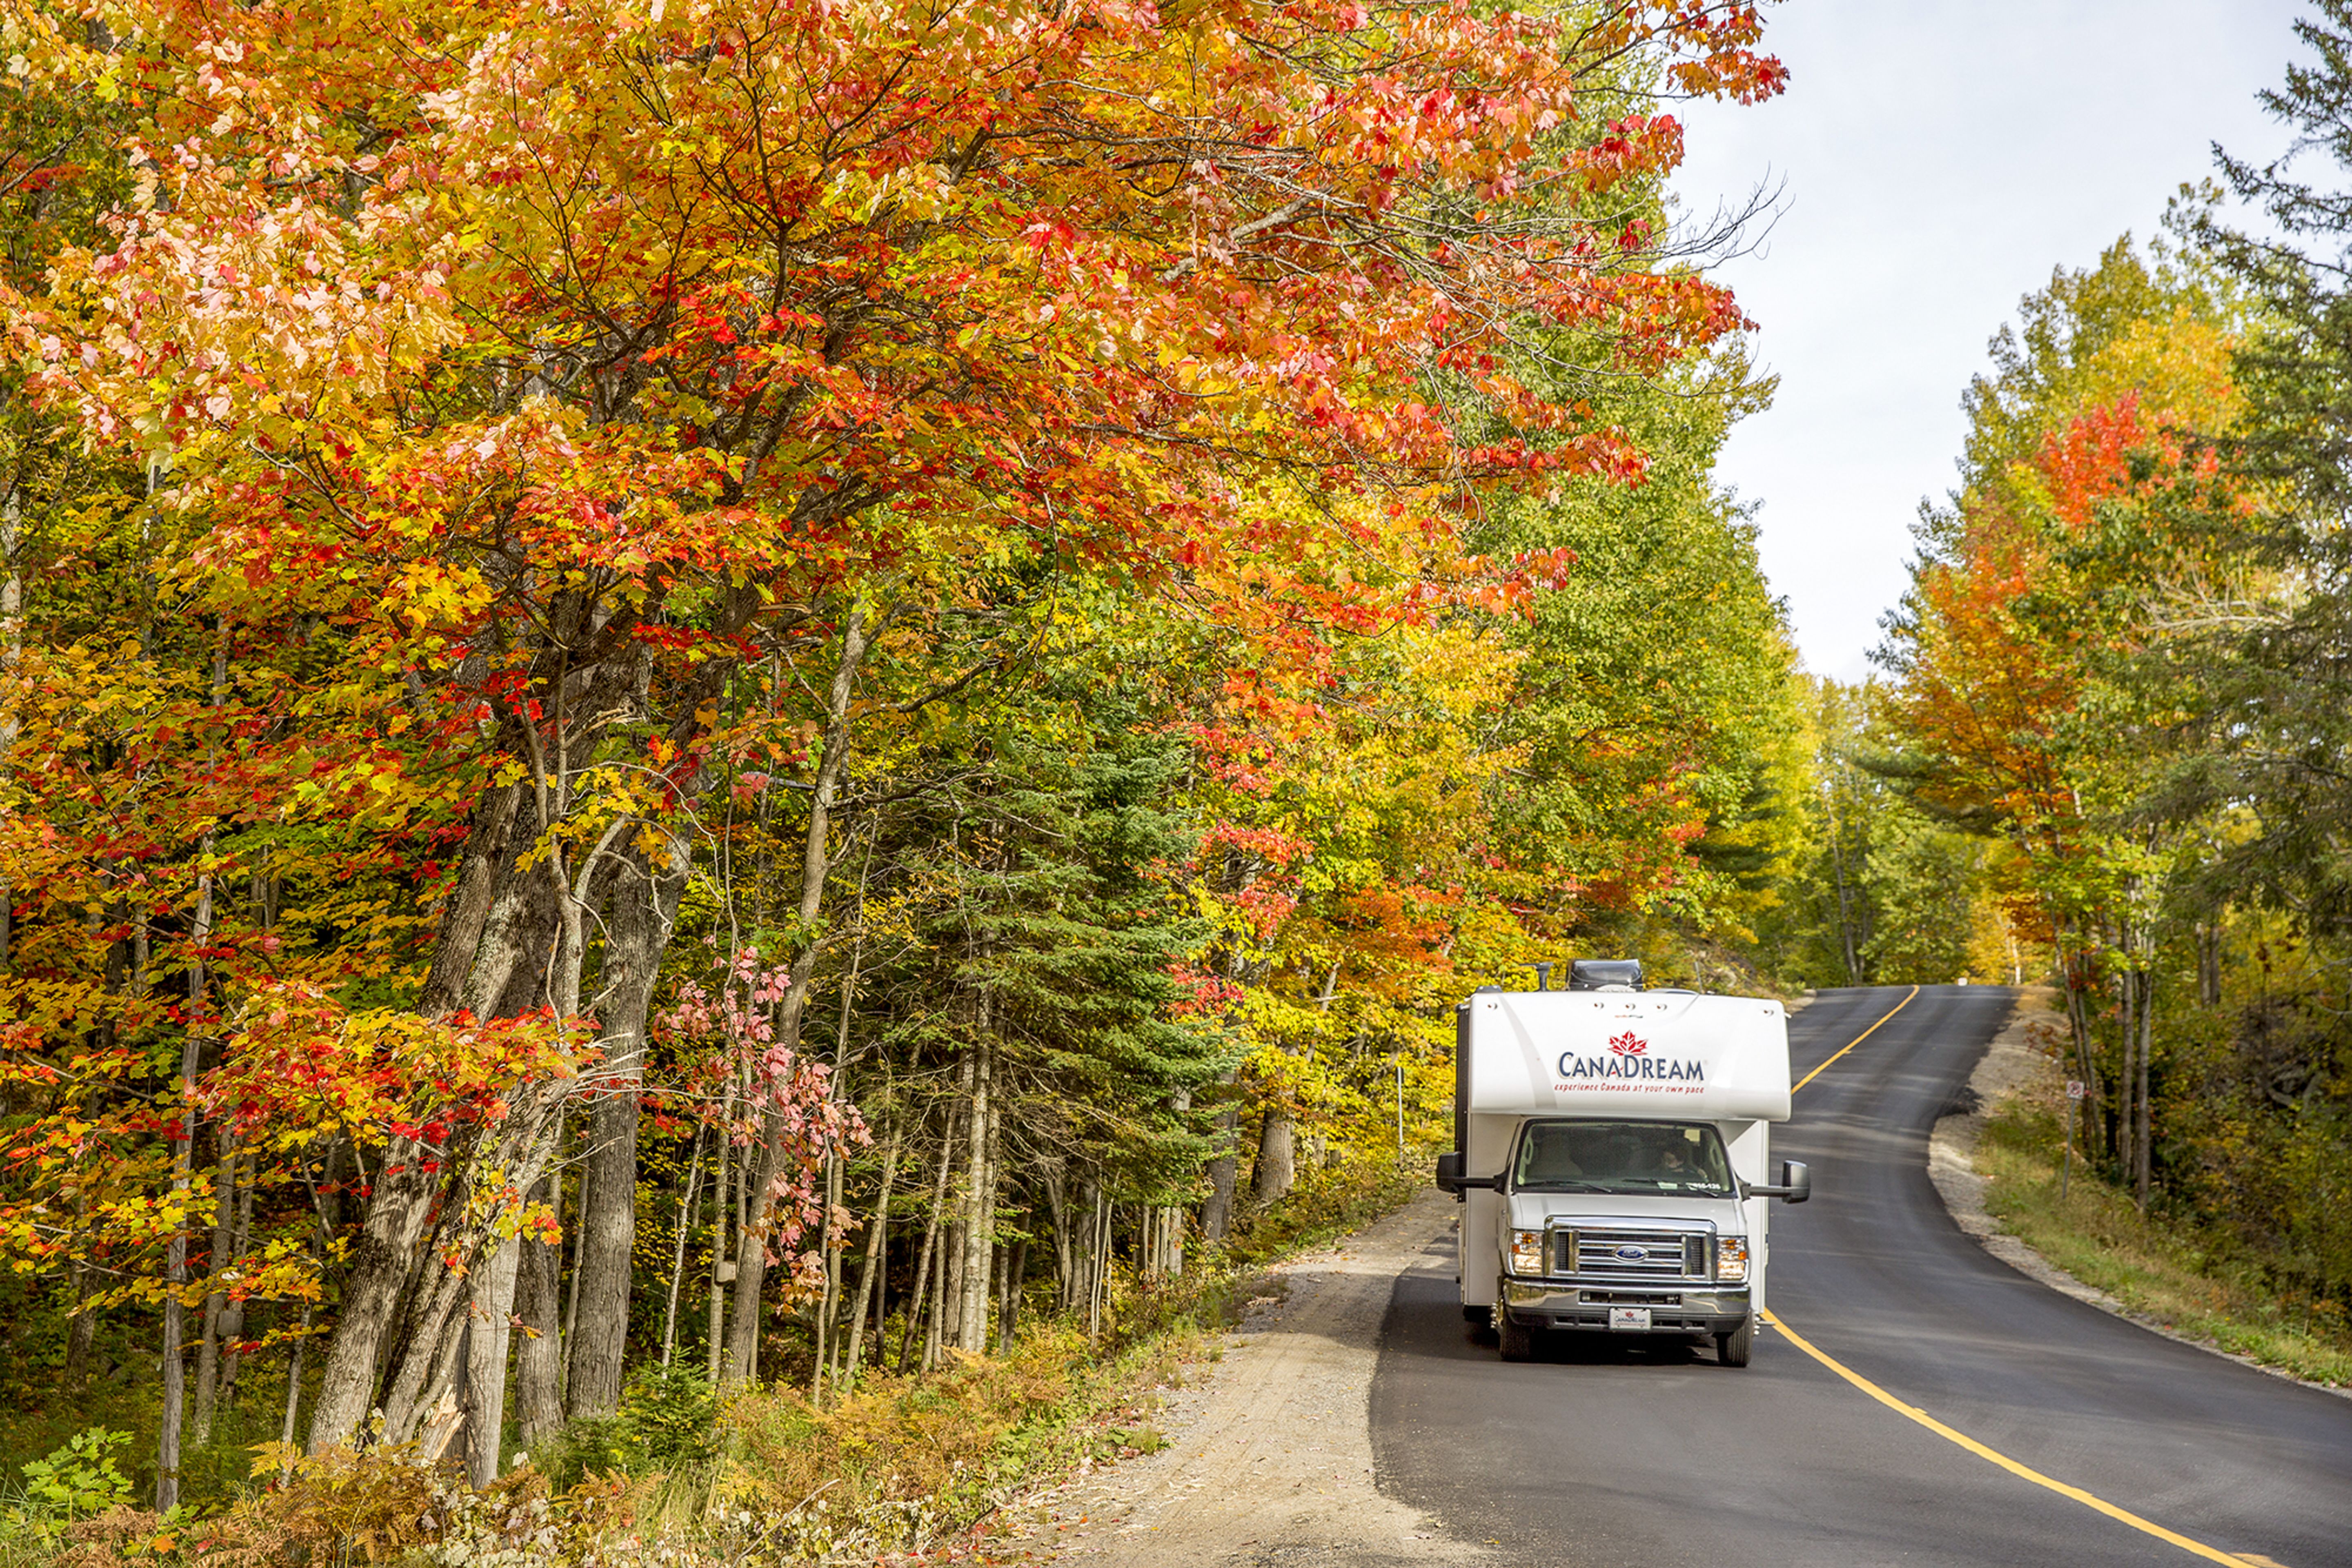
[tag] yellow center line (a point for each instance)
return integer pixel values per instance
(1857, 1039)
(2196, 1548)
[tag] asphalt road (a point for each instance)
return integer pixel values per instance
(1608, 1452)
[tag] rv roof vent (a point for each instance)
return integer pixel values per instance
(1605, 974)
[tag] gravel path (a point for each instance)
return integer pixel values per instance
(1269, 1459)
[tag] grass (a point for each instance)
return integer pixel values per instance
(2159, 1267)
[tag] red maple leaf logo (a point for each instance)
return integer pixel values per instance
(1629, 1044)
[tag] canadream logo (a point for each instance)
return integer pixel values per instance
(1629, 1057)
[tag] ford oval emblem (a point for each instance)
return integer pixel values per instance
(1632, 1253)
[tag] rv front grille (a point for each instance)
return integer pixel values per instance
(1637, 1253)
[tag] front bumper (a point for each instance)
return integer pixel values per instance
(1584, 1304)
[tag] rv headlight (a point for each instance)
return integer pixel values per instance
(1527, 1252)
(1731, 1259)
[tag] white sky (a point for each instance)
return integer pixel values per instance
(1938, 158)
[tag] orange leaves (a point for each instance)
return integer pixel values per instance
(2041, 581)
(299, 1064)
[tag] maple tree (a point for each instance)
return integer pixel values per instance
(569, 470)
(2040, 603)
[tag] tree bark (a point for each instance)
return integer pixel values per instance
(878, 1256)
(1275, 1170)
(208, 1344)
(722, 1267)
(12, 653)
(378, 1270)
(486, 1358)
(81, 1335)
(687, 1202)
(1224, 1170)
(1008, 1298)
(645, 894)
(2145, 1123)
(979, 1207)
(1057, 1214)
(468, 908)
(175, 1263)
(539, 1359)
(175, 1273)
(232, 1316)
(918, 1313)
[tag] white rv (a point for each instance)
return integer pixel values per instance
(1611, 1148)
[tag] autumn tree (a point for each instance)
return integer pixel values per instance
(560, 429)
(2033, 698)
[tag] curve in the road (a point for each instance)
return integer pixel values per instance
(1609, 1452)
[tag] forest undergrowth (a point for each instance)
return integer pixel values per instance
(903, 1468)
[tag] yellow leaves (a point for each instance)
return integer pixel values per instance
(436, 592)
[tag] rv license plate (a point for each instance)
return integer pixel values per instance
(1629, 1318)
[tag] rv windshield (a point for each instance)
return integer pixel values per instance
(1622, 1157)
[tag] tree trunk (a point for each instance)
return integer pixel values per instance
(288, 1427)
(918, 1313)
(644, 910)
(176, 1258)
(232, 1317)
(1057, 1214)
(979, 1207)
(81, 1334)
(12, 654)
(2126, 1076)
(539, 1359)
(1217, 1209)
(378, 1270)
(877, 1257)
(208, 1346)
(722, 1266)
(816, 860)
(1272, 1174)
(2209, 961)
(687, 1203)
(1845, 918)
(1013, 1273)
(486, 1358)
(2145, 1123)
(469, 905)
(1099, 1262)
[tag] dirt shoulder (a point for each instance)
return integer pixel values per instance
(2015, 1060)
(1269, 1457)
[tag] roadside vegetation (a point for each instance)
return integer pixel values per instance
(920, 1466)
(2165, 1264)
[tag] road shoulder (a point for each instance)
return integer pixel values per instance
(1269, 1459)
(2015, 1062)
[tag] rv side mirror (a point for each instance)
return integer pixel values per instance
(1797, 1179)
(1796, 1184)
(1450, 1176)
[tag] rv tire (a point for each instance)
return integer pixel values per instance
(1733, 1349)
(1519, 1339)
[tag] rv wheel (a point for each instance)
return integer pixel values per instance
(1732, 1349)
(1519, 1341)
